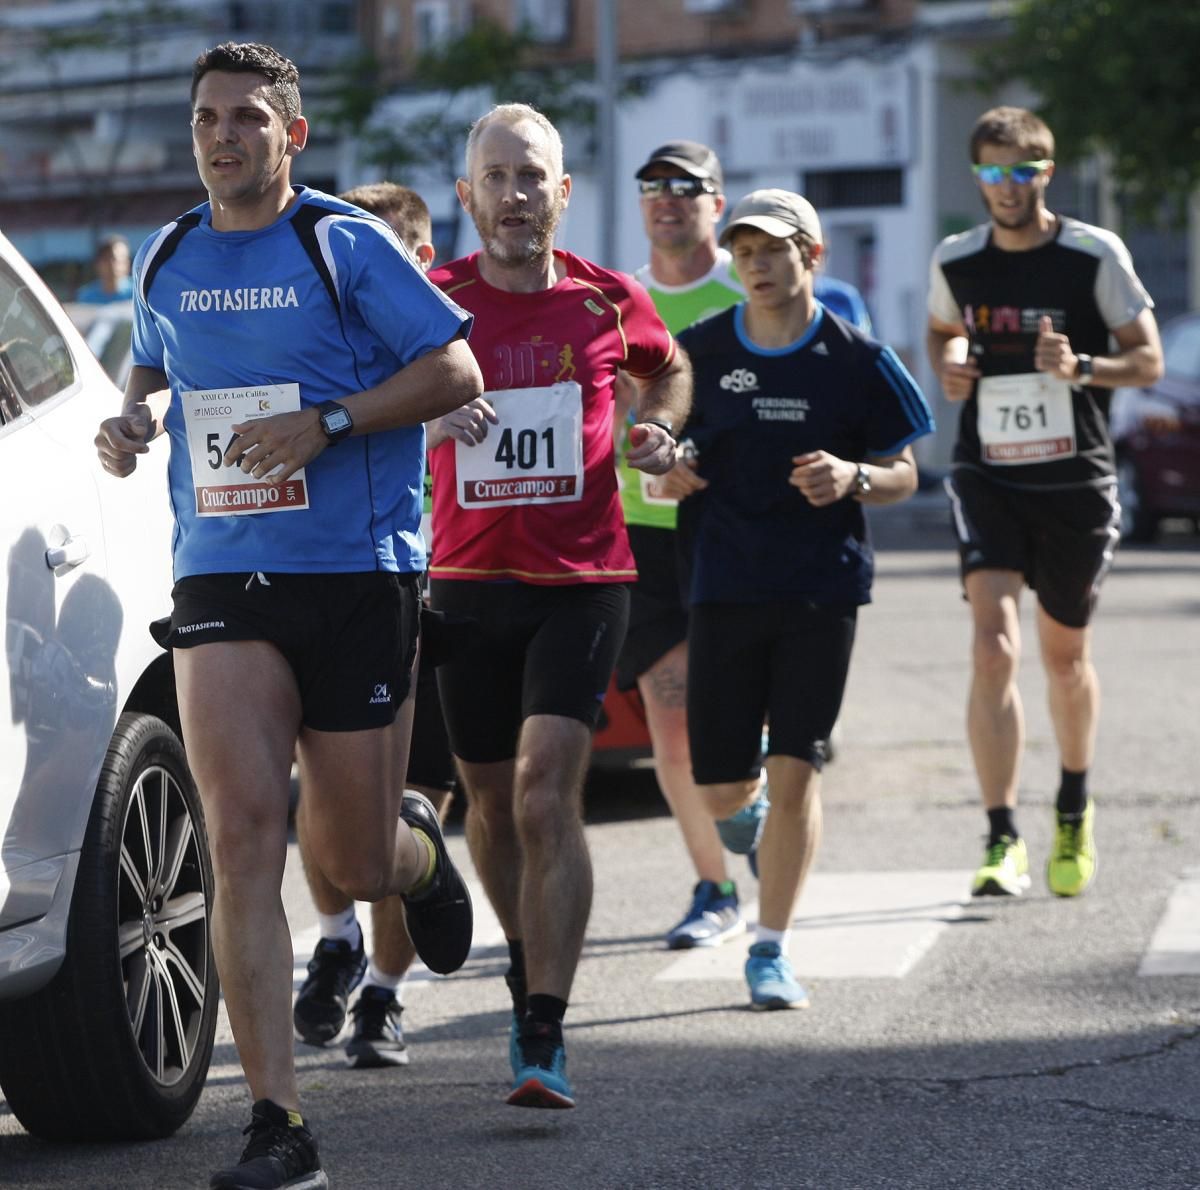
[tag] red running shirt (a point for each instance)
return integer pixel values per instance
(537, 500)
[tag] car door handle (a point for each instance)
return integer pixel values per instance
(72, 551)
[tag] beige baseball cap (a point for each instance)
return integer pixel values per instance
(779, 213)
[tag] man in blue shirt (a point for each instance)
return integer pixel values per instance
(298, 350)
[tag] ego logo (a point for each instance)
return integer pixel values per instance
(740, 380)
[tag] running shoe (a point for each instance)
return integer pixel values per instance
(334, 972)
(541, 1078)
(1073, 862)
(440, 919)
(772, 983)
(712, 918)
(1005, 870)
(377, 1039)
(281, 1152)
(740, 832)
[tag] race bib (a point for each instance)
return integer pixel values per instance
(1026, 418)
(534, 455)
(210, 415)
(651, 493)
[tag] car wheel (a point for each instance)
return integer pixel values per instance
(1138, 523)
(117, 1046)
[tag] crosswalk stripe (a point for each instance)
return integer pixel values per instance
(851, 925)
(488, 935)
(1175, 947)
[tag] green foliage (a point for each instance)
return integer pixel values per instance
(1117, 76)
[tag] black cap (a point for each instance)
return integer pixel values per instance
(695, 159)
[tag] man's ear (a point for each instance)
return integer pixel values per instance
(818, 250)
(463, 189)
(297, 135)
(424, 252)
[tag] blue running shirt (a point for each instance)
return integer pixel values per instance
(236, 309)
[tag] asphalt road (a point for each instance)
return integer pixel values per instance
(1036, 1042)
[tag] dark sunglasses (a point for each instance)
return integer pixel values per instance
(1023, 172)
(676, 187)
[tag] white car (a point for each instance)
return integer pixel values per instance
(108, 989)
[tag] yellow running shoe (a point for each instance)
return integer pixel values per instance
(1072, 864)
(1005, 870)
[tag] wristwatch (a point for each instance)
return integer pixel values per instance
(335, 420)
(1084, 367)
(662, 425)
(862, 481)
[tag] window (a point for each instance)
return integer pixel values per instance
(854, 188)
(547, 21)
(431, 24)
(35, 363)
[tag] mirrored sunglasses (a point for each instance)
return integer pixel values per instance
(1023, 172)
(676, 187)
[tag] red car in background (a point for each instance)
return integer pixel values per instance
(1156, 431)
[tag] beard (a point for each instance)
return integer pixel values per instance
(1014, 220)
(537, 244)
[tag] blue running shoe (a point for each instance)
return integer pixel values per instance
(740, 832)
(712, 918)
(772, 984)
(541, 1079)
(514, 1045)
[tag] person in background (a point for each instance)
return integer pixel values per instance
(340, 960)
(112, 282)
(1034, 318)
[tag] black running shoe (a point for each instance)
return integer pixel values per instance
(280, 1153)
(439, 919)
(377, 1040)
(334, 972)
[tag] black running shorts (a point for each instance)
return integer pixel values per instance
(657, 604)
(534, 651)
(785, 662)
(429, 761)
(1061, 541)
(350, 639)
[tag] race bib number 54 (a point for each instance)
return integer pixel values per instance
(534, 455)
(210, 415)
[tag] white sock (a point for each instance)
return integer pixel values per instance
(783, 937)
(341, 926)
(381, 979)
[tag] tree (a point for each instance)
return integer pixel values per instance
(1117, 76)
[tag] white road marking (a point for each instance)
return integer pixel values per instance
(851, 925)
(487, 935)
(1175, 947)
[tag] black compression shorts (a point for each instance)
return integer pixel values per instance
(657, 604)
(534, 651)
(350, 639)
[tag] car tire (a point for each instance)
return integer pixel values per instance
(1138, 523)
(117, 1046)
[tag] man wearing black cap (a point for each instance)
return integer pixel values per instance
(688, 277)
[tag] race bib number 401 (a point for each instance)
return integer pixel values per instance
(1026, 418)
(534, 455)
(210, 415)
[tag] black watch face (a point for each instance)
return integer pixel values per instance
(336, 421)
